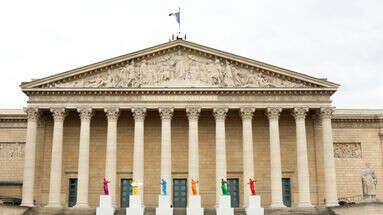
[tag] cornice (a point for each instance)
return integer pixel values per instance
(180, 91)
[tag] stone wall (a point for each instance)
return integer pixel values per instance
(352, 159)
(349, 165)
(12, 143)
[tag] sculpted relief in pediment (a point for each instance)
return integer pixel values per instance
(178, 69)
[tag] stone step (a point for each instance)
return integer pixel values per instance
(176, 211)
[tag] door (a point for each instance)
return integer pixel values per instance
(126, 191)
(233, 189)
(72, 193)
(286, 192)
(179, 193)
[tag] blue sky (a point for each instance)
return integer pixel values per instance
(338, 40)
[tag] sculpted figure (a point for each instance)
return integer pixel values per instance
(194, 187)
(135, 185)
(106, 190)
(143, 72)
(228, 75)
(224, 187)
(128, 74)
(252, 186)
(369, 182)
(180, 65)
(163, 186)
(214, 72)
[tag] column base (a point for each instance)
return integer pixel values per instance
(54, 205)
(277, 205)
(135, 207)
(164, 206)
(81, 205)
(105, 206)
(194, 207)
(224, 206)
(27, 204)
(332, 204)
(305, 205)
(255, 205)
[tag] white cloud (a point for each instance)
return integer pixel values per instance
(340, 40)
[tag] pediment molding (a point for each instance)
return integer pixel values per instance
(178, 64)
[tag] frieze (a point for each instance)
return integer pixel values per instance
(355, 124)
(12, 151)
(347, 150)
(180, 69)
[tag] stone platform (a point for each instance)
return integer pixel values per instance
(176, 211)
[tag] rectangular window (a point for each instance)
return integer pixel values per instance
(126, 191)
(179, 193)
(72, 196)
(233, 189)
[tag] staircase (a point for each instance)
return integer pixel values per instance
(177, 211)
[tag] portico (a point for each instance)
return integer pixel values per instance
(224, 125)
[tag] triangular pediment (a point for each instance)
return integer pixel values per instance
(178, 64)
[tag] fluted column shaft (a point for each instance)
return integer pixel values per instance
(54, 199)
(166, 147)
(329, 162)
(112, 115)
(247, 151)
(83, 157)
(302, 160)
(138, 148)
(30, 156)
(275, 157)
(193, 153)
(220, 148)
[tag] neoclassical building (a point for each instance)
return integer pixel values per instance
(180, 111)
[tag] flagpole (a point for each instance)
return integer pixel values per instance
(179, 23)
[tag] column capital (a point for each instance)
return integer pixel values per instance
(32, 113)
(273, 112)
(220, 113)
(326, 112)
(299, 112)
(59, 113)
(166, 112)
(193, 112)
(112, 113)
(139, 113)
(86, 113)
(247, 112)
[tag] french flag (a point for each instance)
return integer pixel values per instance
(177, 16)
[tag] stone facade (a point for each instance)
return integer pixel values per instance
(183, 111)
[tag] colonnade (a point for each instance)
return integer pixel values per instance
(166, 114)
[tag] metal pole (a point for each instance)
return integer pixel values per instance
(179, 23)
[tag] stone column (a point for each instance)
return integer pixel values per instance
(138, 148)
(112, 115)
(380, 118)
(329, 162)
(56, 157)
(83, 157)
(220, 148)
(247, 151)
(193, 155)
(166, 147)
(29, 159)
(302, 162)
(275, 157)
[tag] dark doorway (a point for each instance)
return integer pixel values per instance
(286, 192)
(72, 193)
(233, 189)
(126, 191)
(179, 193)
